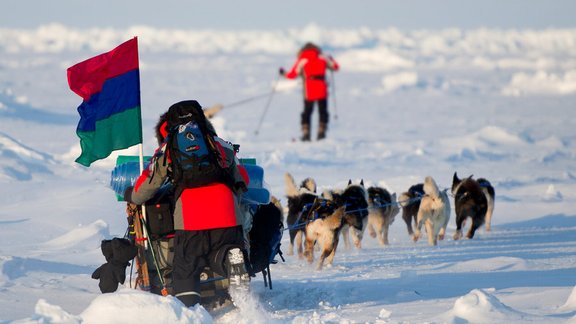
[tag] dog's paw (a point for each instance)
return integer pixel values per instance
(440, 237)
(416, 237)
(457, 236)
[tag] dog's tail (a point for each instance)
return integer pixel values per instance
(405, 199)
(334, 221)
(291, 189)
(394, 209)
(327, 194)
(309, 184)
(277, 203)
(430, 187)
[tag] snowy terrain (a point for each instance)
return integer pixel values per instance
(493, 103)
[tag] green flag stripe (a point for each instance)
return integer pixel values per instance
(119, 131)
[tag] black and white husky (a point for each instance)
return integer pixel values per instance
(410, 203)
(300, 199)
(434, 213)
(383, 208)
(470, 202)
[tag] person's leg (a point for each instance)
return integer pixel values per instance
(188, 265)
(229, 256)
(324, 118)
(305, 119)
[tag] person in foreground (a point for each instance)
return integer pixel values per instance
(204, 170)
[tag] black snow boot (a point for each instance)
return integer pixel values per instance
(322, 128)
(305, 133)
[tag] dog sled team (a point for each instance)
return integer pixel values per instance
(316, 220)
(198, 167)
(226, 251)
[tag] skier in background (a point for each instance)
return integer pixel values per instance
(311, 65)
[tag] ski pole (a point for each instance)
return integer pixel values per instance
(243, 101)
(164, 290)
(267, 104)
(211, 111)
(333, 84)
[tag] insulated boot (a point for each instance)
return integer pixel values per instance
(189, 299)
(305, 133)
(236, 267)
(322, 130)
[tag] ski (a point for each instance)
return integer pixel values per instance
(134, 213)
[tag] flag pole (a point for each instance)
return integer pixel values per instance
(141, 161)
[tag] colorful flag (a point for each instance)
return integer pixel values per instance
(110, 117)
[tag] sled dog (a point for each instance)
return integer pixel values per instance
(355, 200)
(469, 201)
(382, 209)
(323, 225)
(434, 213)
(300, 199)
(410, 202)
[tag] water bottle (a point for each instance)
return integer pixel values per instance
(123, 176)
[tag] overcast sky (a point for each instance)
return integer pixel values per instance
(259, 14)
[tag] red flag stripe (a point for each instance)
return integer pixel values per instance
(86, 78)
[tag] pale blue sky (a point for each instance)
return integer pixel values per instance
(259, 14)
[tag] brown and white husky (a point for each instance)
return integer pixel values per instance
(323, 228)
(469, 202)
(355, 200)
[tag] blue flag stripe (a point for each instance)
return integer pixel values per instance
(118, 94)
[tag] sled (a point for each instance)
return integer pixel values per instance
(154, 259)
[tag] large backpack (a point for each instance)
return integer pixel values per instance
(196, 153)
(265, 237)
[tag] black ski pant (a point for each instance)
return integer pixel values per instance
(309, 108)
(196, 250)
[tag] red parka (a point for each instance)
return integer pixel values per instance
(311, 65)
(208, 207)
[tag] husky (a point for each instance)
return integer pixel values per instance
(382, 211)
(355, 200)
(490, 197)
(469, 201)
(434, 213)
(299, 200)
(323, 226)
(410, 202)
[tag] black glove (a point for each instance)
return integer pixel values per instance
(128, 194)
(117, 252)
(281, 71)
(109, 280)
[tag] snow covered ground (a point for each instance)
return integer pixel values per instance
(493, 103)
